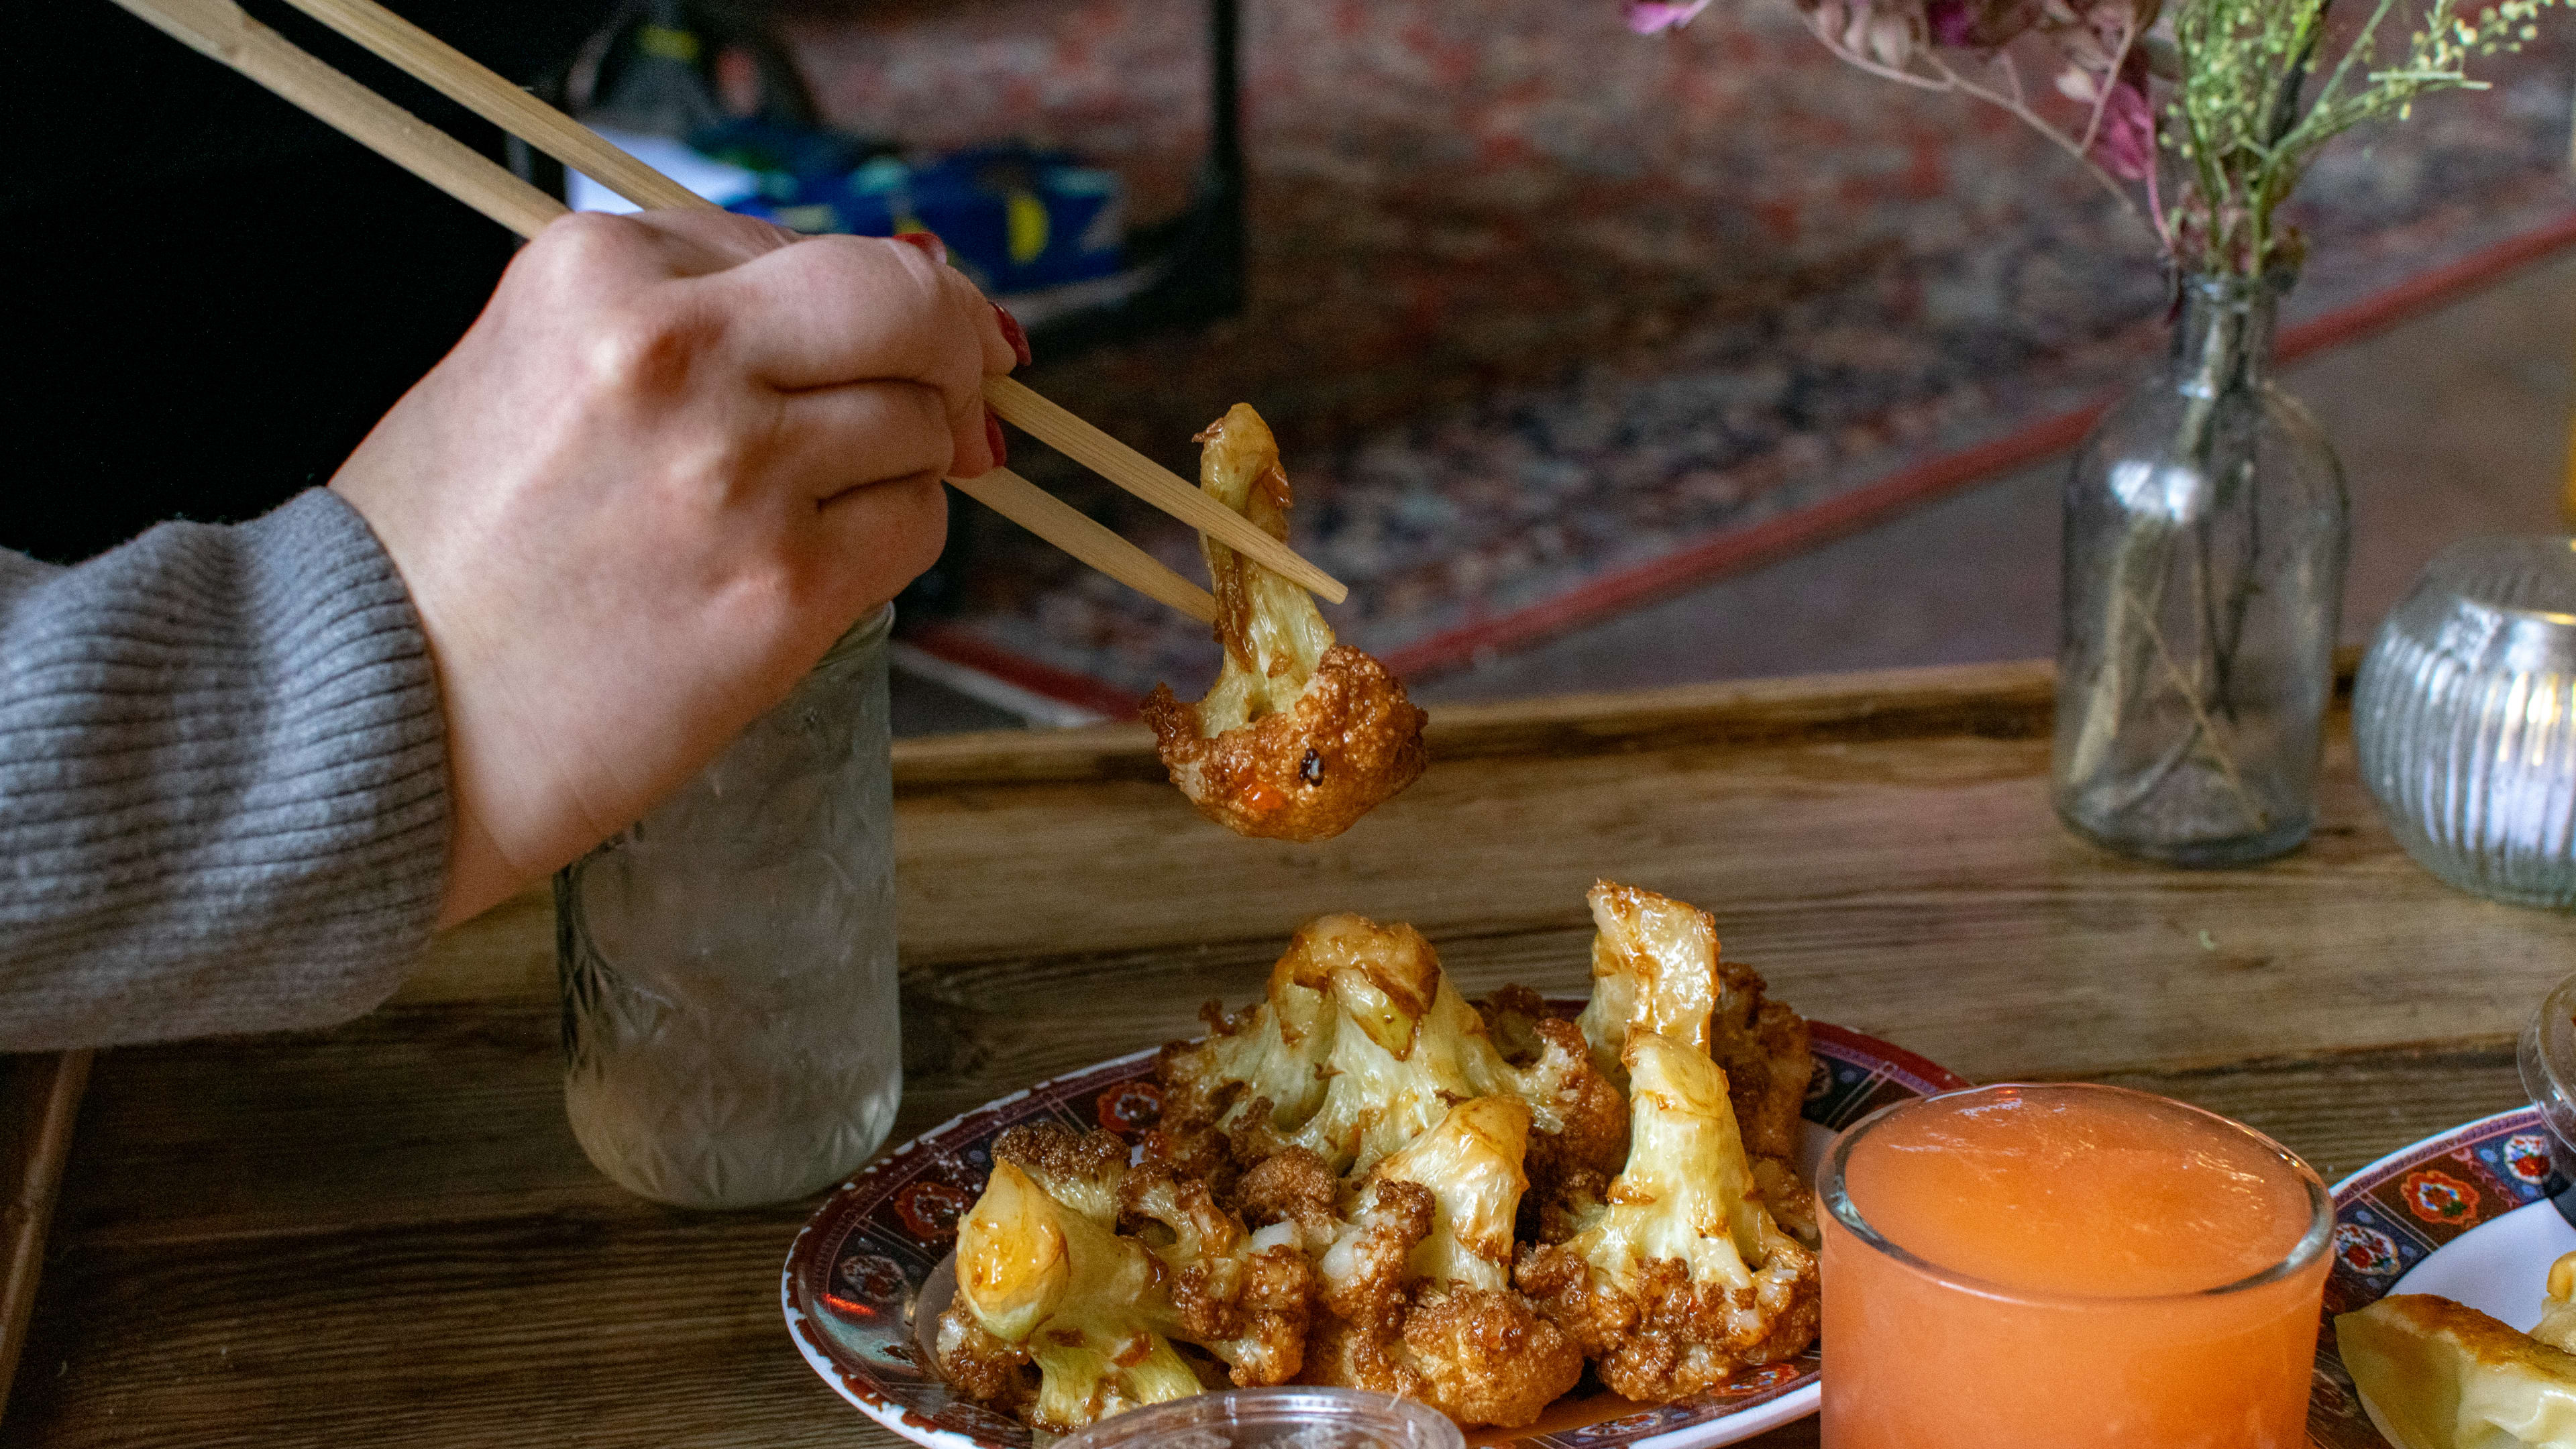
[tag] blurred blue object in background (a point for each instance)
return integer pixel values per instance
(1015, 218)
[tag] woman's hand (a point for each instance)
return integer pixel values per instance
(677, 456)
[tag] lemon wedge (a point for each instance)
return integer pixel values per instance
(2436, 1375)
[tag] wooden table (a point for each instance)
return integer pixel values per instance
(384, 1235)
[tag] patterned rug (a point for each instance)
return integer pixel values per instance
(1551, 318)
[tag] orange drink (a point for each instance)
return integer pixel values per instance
(2067, 1265)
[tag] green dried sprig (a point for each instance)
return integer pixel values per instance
(2243, 133)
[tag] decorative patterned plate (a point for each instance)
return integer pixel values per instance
(2463, 1213)
(873, 1269)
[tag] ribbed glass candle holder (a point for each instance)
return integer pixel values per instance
(2465, 718)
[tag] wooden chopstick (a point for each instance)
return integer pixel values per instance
(1147, 479)
(488, 94)
(220, 29)
(1024, 502)
(469, 83)
(42, 1098)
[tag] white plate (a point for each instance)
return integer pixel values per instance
(2463, 1214)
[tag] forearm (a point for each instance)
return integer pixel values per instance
(223, 786)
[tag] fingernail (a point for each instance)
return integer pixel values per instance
(1014, 334)
(928, 241)
(993, 439)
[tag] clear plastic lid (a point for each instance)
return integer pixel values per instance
(1287, 1418)
(2548, 1062)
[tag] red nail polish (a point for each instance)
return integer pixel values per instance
(1014, 334)
(993, 439)
(928, 241)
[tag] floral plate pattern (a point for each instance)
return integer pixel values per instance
(853, 1289)
(2397, 1212)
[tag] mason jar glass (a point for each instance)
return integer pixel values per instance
(728, 962)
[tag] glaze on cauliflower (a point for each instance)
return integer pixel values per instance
(1654, 968)
(1088, 1307)
(1300, 736)
(1417, 1284)
(1680, 1278)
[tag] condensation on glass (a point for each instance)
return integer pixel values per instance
(728, 963)
(2206, 528)
(2465, 718)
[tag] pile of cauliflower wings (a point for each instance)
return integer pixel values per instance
(1367, 1180)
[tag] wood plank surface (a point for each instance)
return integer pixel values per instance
(384, 1233)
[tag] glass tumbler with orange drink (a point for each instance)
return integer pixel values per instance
(2061, 1265)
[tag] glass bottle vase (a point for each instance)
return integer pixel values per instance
(2206, 530)
(731, 1035)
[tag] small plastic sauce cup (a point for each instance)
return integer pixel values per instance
(1285, 1418)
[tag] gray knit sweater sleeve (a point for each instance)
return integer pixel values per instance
(223, 783)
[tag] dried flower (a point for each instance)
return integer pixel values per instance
(1646, 17)
(2124, 142)
(1979, 24)
(2237, 117)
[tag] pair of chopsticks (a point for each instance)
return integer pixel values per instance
(218, 28)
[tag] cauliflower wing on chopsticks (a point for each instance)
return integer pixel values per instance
(1300, 736)
(1680, 1278)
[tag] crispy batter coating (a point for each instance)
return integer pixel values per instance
(1479, 1355)
(1295, 1187)
(1763, 1047)
(1300, 736)
(981, 1367)
(1592, 1117)
(1248, 1304)
(1080, 1170)
(1590, 1141)
(1366, 1267)
(1664, 1337)
(1680, 1279)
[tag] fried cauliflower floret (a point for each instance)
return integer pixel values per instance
(1360, 1046)
(1245, 1297)
(1300, 736)
(1763, 1047)
(1654, 968)
(1417, 1283)
(1088, 1307)
(1257, 1071)
(1680, 1279)
(1583, 1120)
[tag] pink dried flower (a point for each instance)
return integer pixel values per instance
(1979, 24)
(2125, 143)
(1647, 17)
